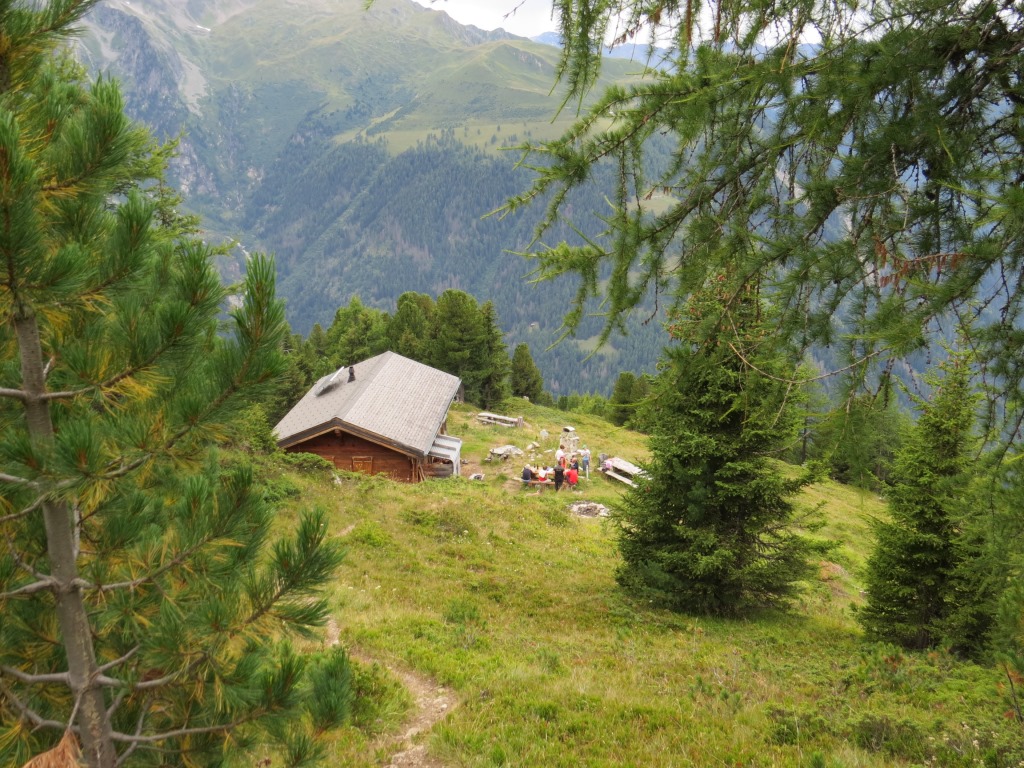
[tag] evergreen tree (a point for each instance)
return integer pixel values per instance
(859, 439)
(621, 404)
(709, 529)
(641, 418)
(313, 360)
(409, 328)
(357, 333)
(455, 336)
(140, 611)
(525, 379)
(292, 384)
(910, 571)
(494, 357)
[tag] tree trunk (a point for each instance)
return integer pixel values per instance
(76, 633)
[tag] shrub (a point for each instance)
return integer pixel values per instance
(307, 462)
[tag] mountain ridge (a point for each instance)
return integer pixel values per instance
(321, 132)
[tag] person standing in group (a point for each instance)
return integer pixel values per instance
(585, 455)
(560, 457)
(559, 476)
(572, 476)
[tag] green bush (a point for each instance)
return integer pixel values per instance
(381, 701)
(372, 535)
(307, 462)
(278, 489)
(254, 432)
(876, 732)
(790, 727)
(441, 523)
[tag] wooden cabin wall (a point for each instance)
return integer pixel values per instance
(348, 452)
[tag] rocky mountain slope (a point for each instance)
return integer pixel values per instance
(364, 149)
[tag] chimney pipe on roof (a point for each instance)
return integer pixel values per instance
(351, 373)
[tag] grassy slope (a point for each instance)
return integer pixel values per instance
(511, 601)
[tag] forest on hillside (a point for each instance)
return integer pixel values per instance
(351, 220)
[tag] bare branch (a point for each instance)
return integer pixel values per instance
(147, 685)
(139, 739)
(15, 480)
(118, 661)
(30, 679)
(42, 585)
(22, 564)
(175, 561)
(28, 713)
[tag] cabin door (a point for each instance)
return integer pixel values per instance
(362, 464)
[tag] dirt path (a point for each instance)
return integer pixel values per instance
(431, 703)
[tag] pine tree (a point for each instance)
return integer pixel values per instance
(313, 359)
(140, 610)
(621, 404)
(525, 377)
(986, 586)
(909, 574)
(466, 340)
(640, 419)
(409, 328)
(494, 357)
(357, 333)
(859, 439)
(710, 528)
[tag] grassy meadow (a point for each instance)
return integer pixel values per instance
(510, 602)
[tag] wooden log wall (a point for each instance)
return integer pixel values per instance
(354, 454)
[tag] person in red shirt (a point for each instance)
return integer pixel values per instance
(572, 477)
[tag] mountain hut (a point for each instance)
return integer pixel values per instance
(385, 415)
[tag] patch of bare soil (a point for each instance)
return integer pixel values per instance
(834, 575)
(432, 703)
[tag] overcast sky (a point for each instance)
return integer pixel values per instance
(528, 18)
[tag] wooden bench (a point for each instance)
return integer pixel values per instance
(539, 484)
(501, 421)
(621, 478)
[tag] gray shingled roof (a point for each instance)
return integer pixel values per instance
(393, 398)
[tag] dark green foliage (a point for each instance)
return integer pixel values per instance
(308, 462)
(628, 404)
(409, 327)
(988, 601)
(331, 692)
(456, 341)
(710, 529)
(357, 333)
(494, 387)
(139, 601)
(909, 574)
(883, 732)
(525, 379)
(859, 438)
(455, 334)
(1009, 644)
(621, 404)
